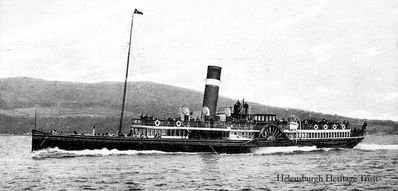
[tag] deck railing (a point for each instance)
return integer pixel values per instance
(202, 124)
(237, 124)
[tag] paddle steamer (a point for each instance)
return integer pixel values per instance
(217, 130)
(222, 130)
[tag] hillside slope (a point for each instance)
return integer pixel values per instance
(78, 106)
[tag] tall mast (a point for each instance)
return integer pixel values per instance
(35, 118)
(125, 81)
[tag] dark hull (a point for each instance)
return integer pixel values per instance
(41, 140)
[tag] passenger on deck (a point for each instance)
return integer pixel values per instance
(284, 123)
(246, 107)
(346, 123)
(306, 124)
(130, 133)
(237, 108)
(310, 121)
(364, 125)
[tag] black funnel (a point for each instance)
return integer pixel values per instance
(210, 97)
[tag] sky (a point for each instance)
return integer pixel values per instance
(337, 57)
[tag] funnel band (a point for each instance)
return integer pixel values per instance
(213, 82)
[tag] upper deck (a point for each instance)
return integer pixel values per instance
(243, 121)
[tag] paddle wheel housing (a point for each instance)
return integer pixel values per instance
(271, 133)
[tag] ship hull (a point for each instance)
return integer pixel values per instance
(42, 140)
(79, 142)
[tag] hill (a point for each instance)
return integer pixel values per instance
(68, 106)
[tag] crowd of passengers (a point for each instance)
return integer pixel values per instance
(311, 122)
(308, 123)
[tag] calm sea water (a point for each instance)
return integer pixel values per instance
(372, 165)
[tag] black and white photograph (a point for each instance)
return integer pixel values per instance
(199, 95)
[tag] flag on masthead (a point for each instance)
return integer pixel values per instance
(138, 12)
